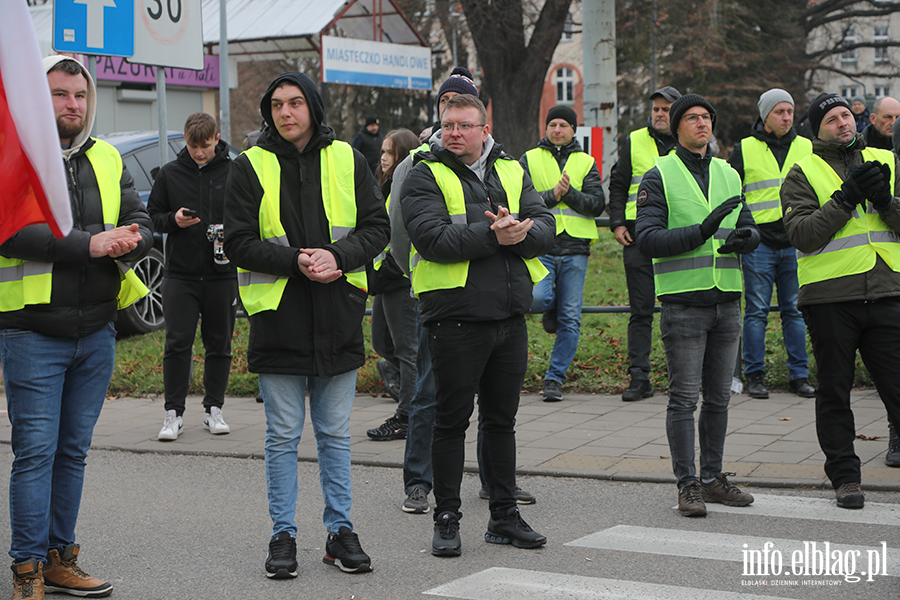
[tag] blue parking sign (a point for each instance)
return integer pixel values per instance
(104, 27)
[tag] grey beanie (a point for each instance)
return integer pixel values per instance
(769, 99)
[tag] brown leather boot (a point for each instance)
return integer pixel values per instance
(28, 582)
(63, 575)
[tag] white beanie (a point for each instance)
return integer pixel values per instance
(768, 100)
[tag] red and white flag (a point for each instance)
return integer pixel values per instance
(32, 177)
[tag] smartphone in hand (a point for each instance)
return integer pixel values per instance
(193, 214)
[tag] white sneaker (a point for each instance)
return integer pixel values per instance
(172, 426)
(214, 422)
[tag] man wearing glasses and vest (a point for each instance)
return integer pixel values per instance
(842, 214)
(569, 182)
(58, 301)
(636, 157)
(303, 217)
(762, 160)
(692, 222)
(476, 226)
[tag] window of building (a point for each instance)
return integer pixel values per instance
(849, 56)
(882, 34)
(882, 91)
(568, 29)
(565, 85)
(848, 92)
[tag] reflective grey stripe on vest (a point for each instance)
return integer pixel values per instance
(762, 185)
(416, 257)
(339, 233)
(458, 219)
(26, 269)
(884, 237)
(381, 256)
(632, 198)
(246, 278)
(568, 212)
(758, 206)
(693, 263)
(854, 241)
(636, 180)
(722, 233)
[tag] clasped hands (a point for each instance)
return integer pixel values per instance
(115, 242)
(509, 231)
(868, 181)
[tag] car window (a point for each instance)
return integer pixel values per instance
(175, 145)
(141, 181)
(149, 159)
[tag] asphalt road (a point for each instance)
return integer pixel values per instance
(168, 526)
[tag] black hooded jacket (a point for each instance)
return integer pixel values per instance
(189, 254)
(317, 328)
(370, 145)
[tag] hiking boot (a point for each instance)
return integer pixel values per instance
(63, 575)
(446, 540)
(802, 388)
(214, 422)
(892, 458)
(390, 376)
(690, 500)
(638, 390)
(512, 529)
(522, 496)
(724, 492)
(416, 501)
(281, 563)
(28, 582)
(552, 391)
(343, 551)
(392, 429)
(850, 495)
(756, 385)
(172, 426)
(548, 321)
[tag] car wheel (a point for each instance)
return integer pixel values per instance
(146, 314)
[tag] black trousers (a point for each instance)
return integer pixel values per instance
(489, 358)
(183, 304)
(837, 331)
(641, 298)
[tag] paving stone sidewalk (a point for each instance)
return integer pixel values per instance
(770, 442)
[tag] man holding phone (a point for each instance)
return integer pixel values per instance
(188, 201)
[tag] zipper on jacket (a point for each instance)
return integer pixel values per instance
(77, 220)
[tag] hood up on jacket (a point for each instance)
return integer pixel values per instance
(91, 111)
(310, 92)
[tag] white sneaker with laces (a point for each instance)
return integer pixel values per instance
(172, 426)
(214, 422)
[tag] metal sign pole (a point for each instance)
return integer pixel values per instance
(161, 112)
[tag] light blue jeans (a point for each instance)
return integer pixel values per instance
(330, 403)
(55, 388)
(563, 290)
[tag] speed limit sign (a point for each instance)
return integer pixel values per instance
(168, 33)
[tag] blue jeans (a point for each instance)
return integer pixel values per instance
(417, 457)
(562, 290)
(762, 268)
(55, 388)
(330, 403)
(701, 345)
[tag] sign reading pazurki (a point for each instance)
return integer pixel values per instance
(363, 62)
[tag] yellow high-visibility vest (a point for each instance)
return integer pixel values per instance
(762, 178)
(545, 174)
(644, 153)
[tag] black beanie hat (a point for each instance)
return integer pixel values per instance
(682, 104)
(565, 113)
(823, 103)
(371, 120)
(460, 81)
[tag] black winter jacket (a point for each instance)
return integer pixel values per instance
(83, 297)
(656, 240)
(370, 145)
(317, 328)
(589, 201)
(498, 285)
(874, 139)
(182, 183)
(771, 234)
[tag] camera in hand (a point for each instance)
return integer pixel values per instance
(215, 233)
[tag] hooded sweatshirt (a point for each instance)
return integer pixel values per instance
(84, 289)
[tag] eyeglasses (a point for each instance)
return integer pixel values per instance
(464, 128)
(692, 119)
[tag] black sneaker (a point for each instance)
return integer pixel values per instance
(392, 429)
(548, 321)
(446, 540)
(638, 390)
(522, 496)
(343, 551)
(416, 501)
(282, 560)
(802, 388)
(690, 500)
(850, 495)
(552, 391)
(756, 385)
(512, 529)
(724, 492)
(892, 458)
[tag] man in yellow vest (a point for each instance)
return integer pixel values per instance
(569, 182)
(692, 222)
(842, 213)
(636, 157)
(58, 301)
(762, 160)
(476, 226)
(303, 217)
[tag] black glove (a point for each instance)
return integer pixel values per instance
(862, 182)
(883, 198)
(735, 241)
(711, 223)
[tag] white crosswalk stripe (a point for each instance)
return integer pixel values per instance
(820, 509)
